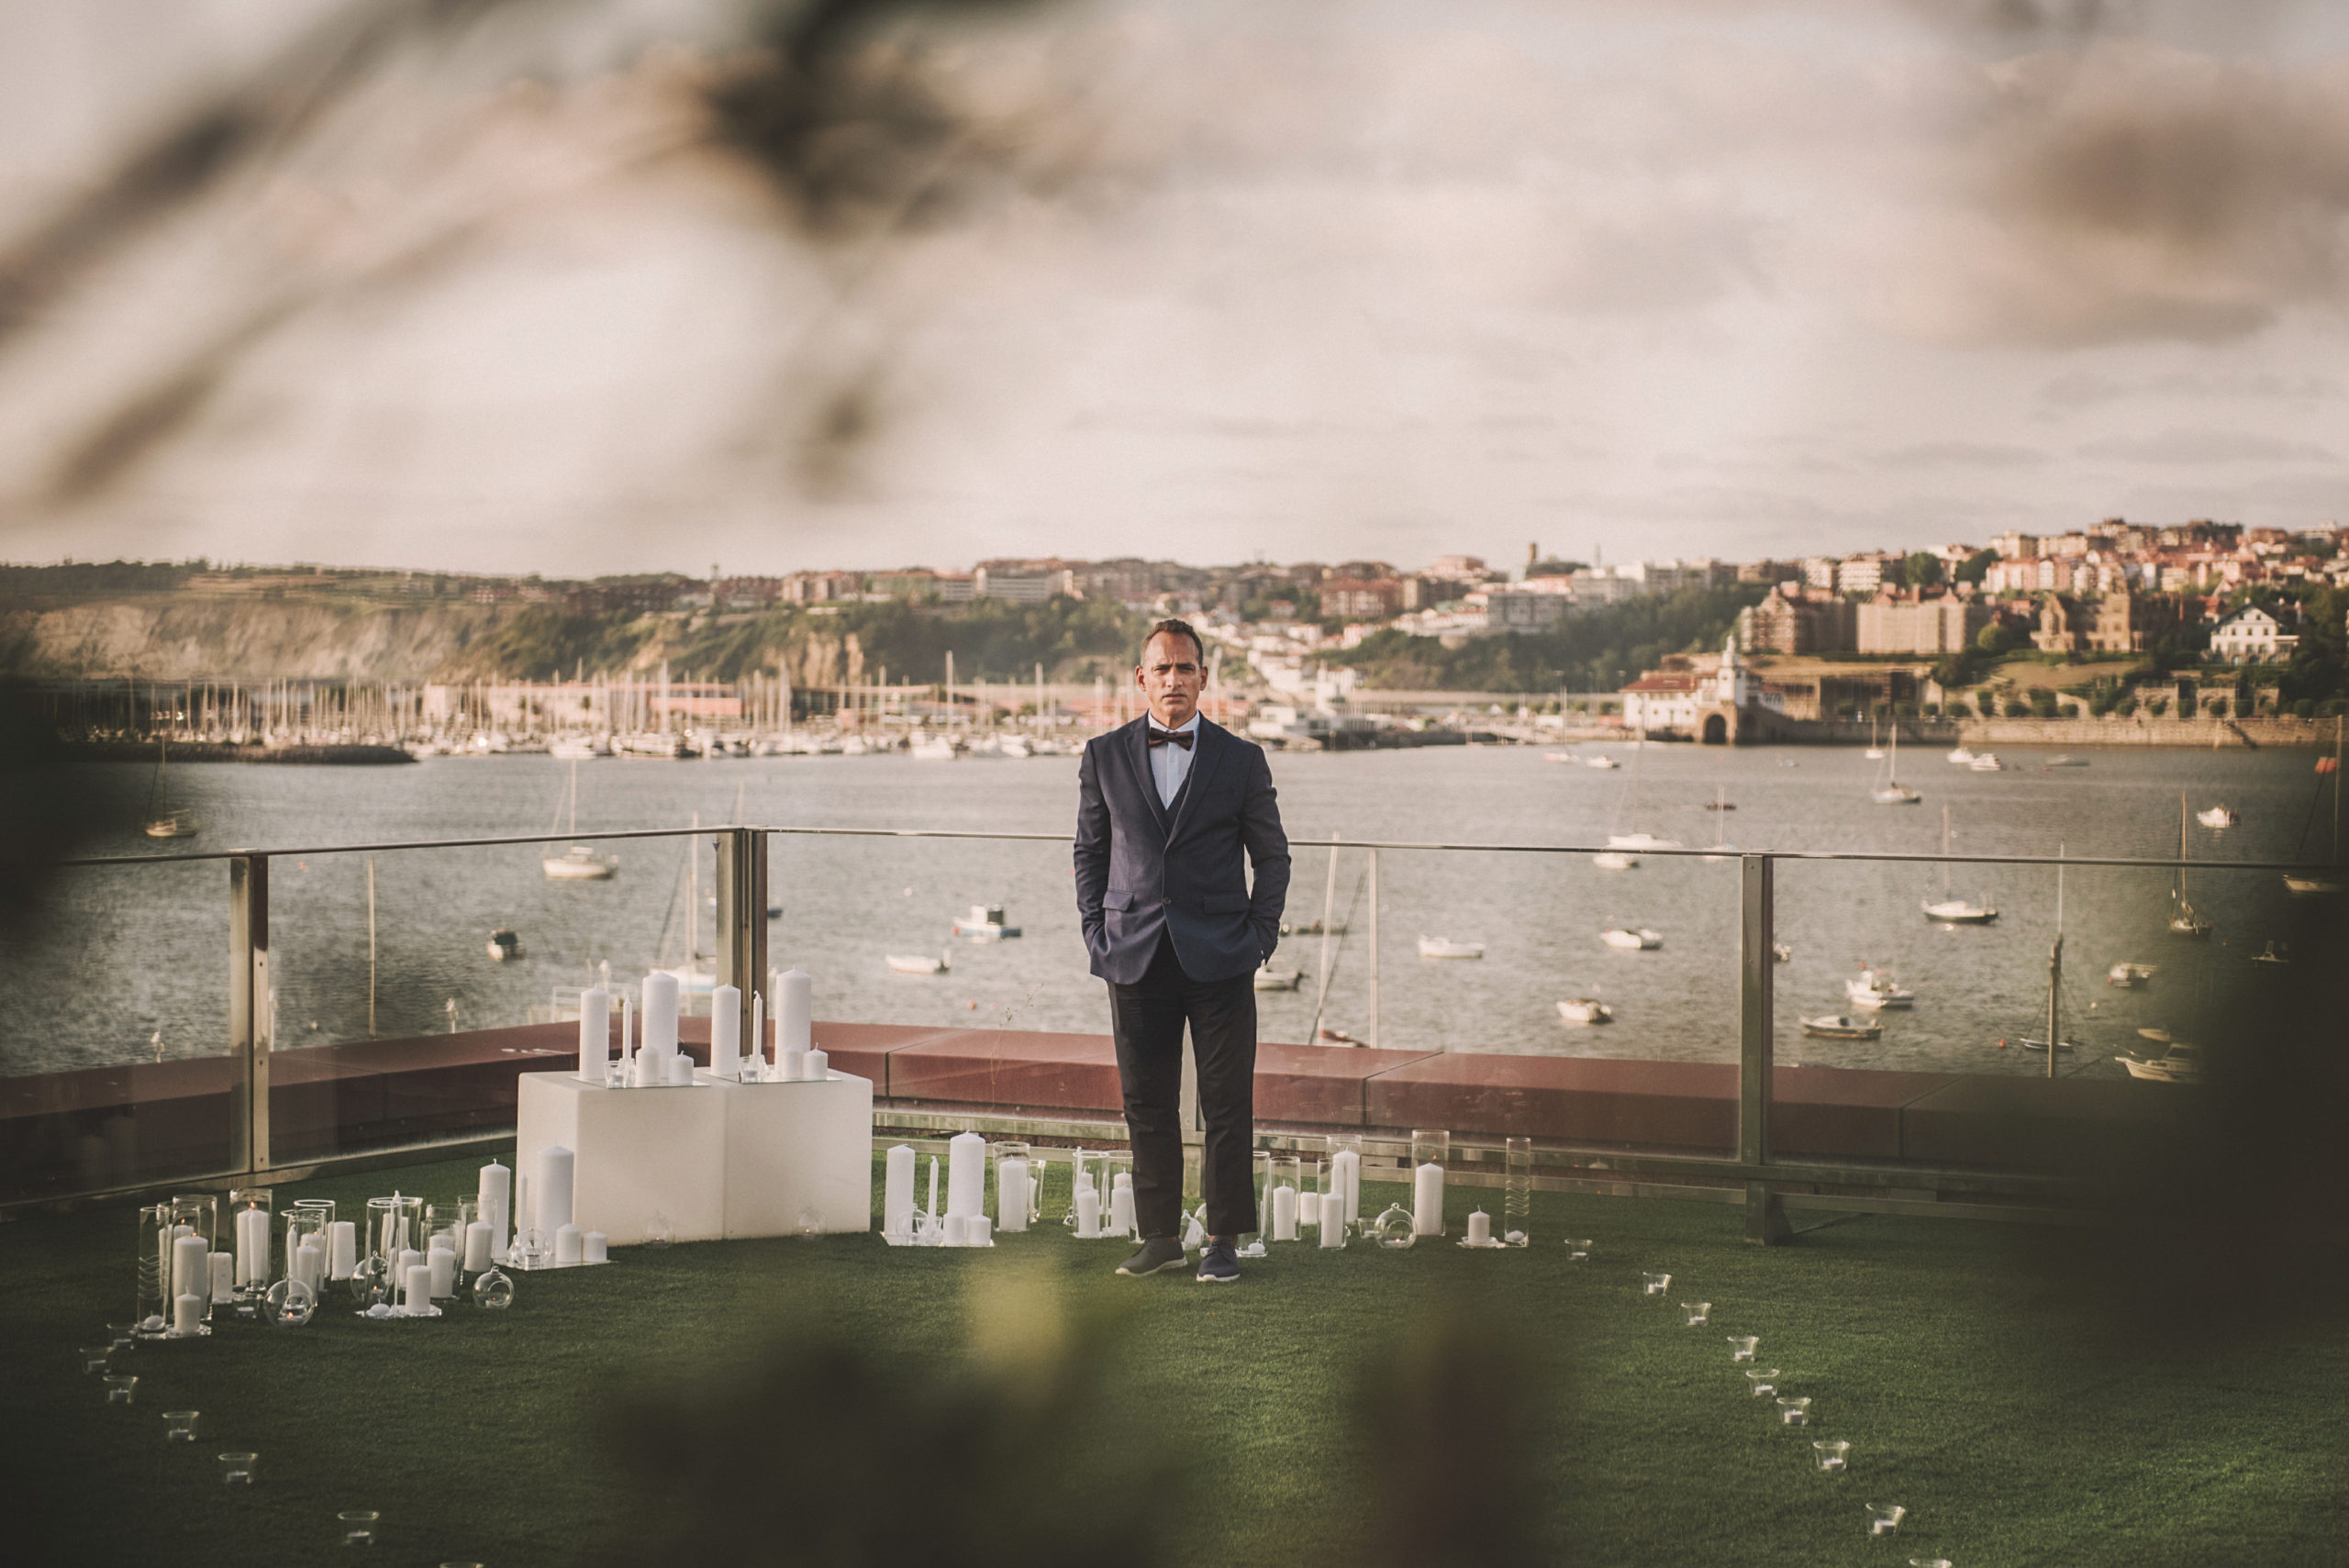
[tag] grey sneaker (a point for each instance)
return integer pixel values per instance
(1219, 1264)
(1158, 1254)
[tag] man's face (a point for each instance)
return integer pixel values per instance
(1170, 677)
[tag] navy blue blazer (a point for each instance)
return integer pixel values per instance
(1142, 868)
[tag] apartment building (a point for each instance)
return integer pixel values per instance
(1796, 619)
(1923, 623)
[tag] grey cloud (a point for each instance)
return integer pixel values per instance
(1961, 454)
(2132, 191)
(2087, 389)
(2191, 446)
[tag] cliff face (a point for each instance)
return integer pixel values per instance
(183, 637)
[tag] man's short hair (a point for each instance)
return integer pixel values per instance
(1177, 628)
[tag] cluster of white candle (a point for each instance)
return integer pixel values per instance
(964, 1221)
(252, 1246)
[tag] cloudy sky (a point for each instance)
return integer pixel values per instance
(1325, 279)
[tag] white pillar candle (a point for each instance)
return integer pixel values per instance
(496, 1194)
(1121, 1211)
(980, 1231)
(1427, 1200)
(306, 1266)
(1122, 1179)
(659, 1013)
(649, 1068)
(795, 1011)
(1088, 1214)
(758, 1045)
(1309, 1208)
(523, 1214)
(595, 1034)
(1333, 1228)
(958, 1229)
(187, 1311)
(898, 1193)
(252, 1246)
(1284, 1214)
(191, 1275)
(593, 1247)
(815, 1066)
(409, 1258)
(566, 1243)
(967, 1173)
(726, 1031)
(442, 1266)
(1345, 1183)
(342, 1248)
(680, 1071)
(628, 1037)
(477, 1246)
(1480, 1229)
(932, 1209)
(224, 1276)
(1011, 1196)
(420, 1288)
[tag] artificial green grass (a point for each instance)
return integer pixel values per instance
(2017, 1424)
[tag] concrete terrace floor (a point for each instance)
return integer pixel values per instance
(2018, 1426)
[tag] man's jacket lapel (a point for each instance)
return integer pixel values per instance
(1207, 750)
(1145, 780)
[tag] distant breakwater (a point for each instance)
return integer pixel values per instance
(222, 752)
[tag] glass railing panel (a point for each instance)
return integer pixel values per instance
(113, 1066)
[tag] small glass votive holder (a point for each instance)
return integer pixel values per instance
(120, 1387)
(1884, 1519)
(179, 1426)
(358, 1526)
(1742, 1347)
(1795, 1412)
(1578, 1251)
(1697, 1311)
(1764, 1380)
(1655, 1284)
(94, 1358)
(122, 1336)
(1833, 1453)
(237, 1469)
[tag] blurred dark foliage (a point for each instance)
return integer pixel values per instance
(839, 114)
(838, 1450)
(1449, 1409)
(46, 814)
(2231, 1218)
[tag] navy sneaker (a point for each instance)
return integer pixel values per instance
(1158, 1254)
(1219, 1264)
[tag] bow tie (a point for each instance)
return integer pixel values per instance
(1182, 738)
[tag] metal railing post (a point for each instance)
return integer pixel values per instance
(250, 1020)
(742, 914)
(1766, 1219)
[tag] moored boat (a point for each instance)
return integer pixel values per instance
(1444, 947)
(1630, 938)
(1584, 1010)
(1838, 1026)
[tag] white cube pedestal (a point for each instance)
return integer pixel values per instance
(798, 1149)
(639, 1153)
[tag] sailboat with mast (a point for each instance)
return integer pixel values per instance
(2055, 1042)
(162, 822)
(2312, 882)
(1950, 910)
(2185, 921)
(1889, 790)
(698, 975)
(1620, 855)
(580, 863)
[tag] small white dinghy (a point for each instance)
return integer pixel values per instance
(1841, 1028)
(1271, 978)
(1444, 947)
(2130, 976)
(2218, 816)
(1600, 762)
(1875, 990)
(1586, 1010)
(1631, 939)
(984, 923)
(915, 964)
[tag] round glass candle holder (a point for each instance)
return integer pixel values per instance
(122, 1387)
(1394, 1230)
(1833, 1453)
(1742, 1347)
(1795, 1412)
(1697, 1311)
(1655, 1284)
(95, 1359)
(359, 1525)
(179, 1426)
(1884, 1519)
(1578, 1251)
(494, 1290)
(237, 1469)
(1764, 1380)
(289, 1304)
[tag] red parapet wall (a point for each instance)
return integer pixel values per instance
(116, 1125)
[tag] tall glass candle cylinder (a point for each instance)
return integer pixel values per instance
(251, 1222)
(152, 1314)
(1345, 1175)
(898, 1193)
(1013, 1181)
(1281, 1191)
(1517, 1192)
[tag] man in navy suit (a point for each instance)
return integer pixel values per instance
(1166, 808)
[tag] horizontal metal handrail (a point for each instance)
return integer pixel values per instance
(1701, 852)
